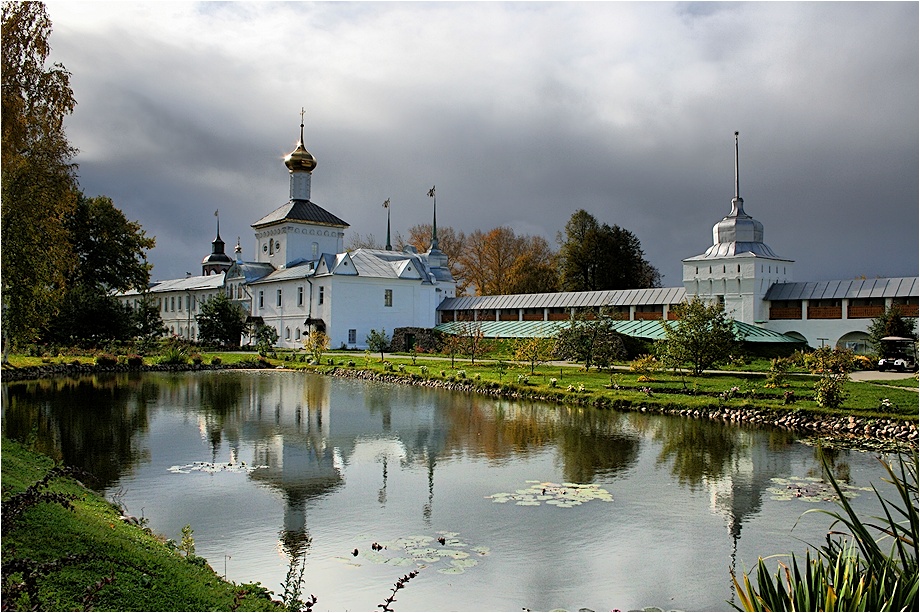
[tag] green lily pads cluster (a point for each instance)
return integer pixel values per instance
(450, 554)
(560, 495)
(810, 489)
(215, 467)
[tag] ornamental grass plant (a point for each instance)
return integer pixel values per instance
(865, 564)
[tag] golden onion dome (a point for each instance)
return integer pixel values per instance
(300, 159)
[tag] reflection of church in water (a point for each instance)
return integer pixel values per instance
(302, 452)
(289, 424)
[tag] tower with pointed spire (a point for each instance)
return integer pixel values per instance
(739, 268)
(218, 261)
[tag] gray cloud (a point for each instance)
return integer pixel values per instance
(521, 113)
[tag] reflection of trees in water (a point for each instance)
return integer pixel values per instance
(697, 448)
(219, 398)
(89, 422)
(590, 441)
(836, 459)
(594, 442)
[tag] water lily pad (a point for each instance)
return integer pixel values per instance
(451, 570)
(810, 489)
(420, 550)
(215, 467)
(400, 562)
(565, 495)
(466, 563)
(453, 553)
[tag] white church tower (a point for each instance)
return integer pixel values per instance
(739, 268)
(300, 230)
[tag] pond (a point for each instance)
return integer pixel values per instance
(502, 505)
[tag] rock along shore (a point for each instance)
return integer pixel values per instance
(848, 430)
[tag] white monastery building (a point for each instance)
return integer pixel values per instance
(303, 279)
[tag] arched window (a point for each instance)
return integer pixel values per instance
(287, 334)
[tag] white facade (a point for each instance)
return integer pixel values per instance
(302, 278)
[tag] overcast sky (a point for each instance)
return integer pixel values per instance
(521, 113)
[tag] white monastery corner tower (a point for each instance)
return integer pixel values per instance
(739, 268)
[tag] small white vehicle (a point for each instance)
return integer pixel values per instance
(899, 354)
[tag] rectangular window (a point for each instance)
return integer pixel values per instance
(278, 299)
(172, 303)
(352, 336)
(261, 299)
(387, 297)
(322, 292)
(300, 296)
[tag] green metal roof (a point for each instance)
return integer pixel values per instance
(651, 330)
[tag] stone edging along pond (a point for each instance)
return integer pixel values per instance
(852, 431)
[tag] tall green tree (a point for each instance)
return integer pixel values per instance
(221, 321)
(591, 339)
(890, 323)
(109, 254)
(702, 337)
(110, 251)
(38, 176)
(594, 256)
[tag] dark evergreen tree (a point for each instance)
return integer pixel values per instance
(221, 322)
(890, 323)
(595, 256)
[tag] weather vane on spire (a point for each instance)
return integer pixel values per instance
(386, 205)
(434, 224)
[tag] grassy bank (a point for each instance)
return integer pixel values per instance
(571, 384)
(895, 400)
(89, 557)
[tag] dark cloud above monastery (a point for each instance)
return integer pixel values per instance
(520, 113)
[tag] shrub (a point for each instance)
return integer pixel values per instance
(196, 358)
(216, 361)
(106, 359)
(174, 355)
(553, 382)
(829, 391)
(134, 360)
(645, 366)
(423, 370)
(778, 373)
(461, 374)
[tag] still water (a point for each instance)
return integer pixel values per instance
(269, 466)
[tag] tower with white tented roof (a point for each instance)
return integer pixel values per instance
(739, 268)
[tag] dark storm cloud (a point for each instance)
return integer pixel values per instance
(520, 113)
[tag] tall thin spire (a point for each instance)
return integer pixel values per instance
(386, 205)
(217, 215)
(434, 221)
(737, 187)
